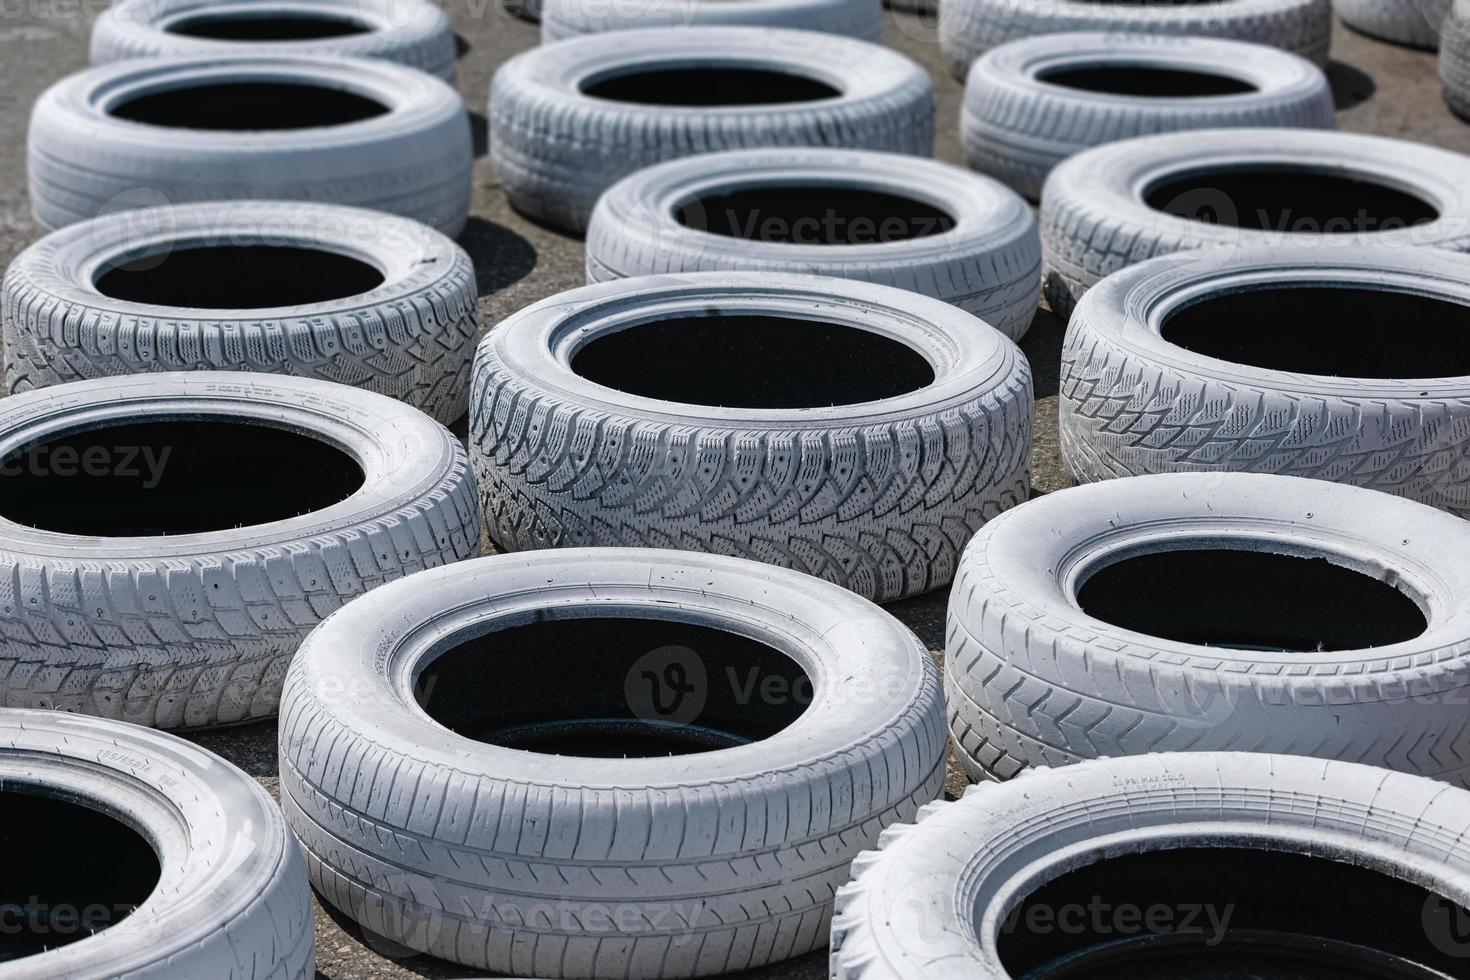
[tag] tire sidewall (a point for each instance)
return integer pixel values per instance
(562, 19)
(70, 126)
(406, 456)
(867, 670)
(1042, 553)
(228, 867)
(913, 911)
(638, 213)
(1111, 180)
(412, 257)
(410, 32)
(535, 345)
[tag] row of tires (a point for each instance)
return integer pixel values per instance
(852, 431)
(418, 34)
(453, 793)
(553, 126)
(571, 119)
(1152, 380)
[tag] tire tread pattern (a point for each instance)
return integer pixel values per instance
(883, 509)
(417, 350)
(510, 876)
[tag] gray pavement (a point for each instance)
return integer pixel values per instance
(1379, 89)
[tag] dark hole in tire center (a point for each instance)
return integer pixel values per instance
(172, 476)
(241, 277)
(1164, 83)
(1345, 331)
(1288, 199)
(1231, 913)
(707, 86)
(613, 687)
(752, 362)
(249, 107)
(245, 26)
(70, 872)
(813, 215)
(1252, 600)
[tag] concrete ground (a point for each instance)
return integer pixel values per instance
(1379, 89)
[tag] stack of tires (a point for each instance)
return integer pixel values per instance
(1211, 696)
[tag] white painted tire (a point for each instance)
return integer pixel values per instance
(1454, 59)
(231, 898)
(1144, 390)
(988, 262)
(183, 628)
(413, 159)
(869, 461)
(863, 19)
(1046, 665)
(1414, 23)
(556, 148)
(969, 28)
(1096, 217)
(1016, 123)
(409, 337)
(938, 900)
(644, 866)
(415, 33)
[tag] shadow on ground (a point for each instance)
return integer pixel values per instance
(1350, 86)
(501, 256)
(479, 133)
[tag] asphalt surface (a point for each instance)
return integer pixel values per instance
(1379, 89)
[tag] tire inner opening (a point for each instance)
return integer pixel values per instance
(172, 476)
(1250, 600)
(752, 362)
(272, 27)
(1288, 199)
(1231, 913)
(1143, 80)
(249, 107)
(613, 687)
(70, 872)
(238, 277)
(708, 86)
(814, 215)
(1330, 331)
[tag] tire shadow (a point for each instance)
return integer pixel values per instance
(1042, 346)
(375, 949)
(251, 746)
(1350, 86)
(501, 257)
(479, 133)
